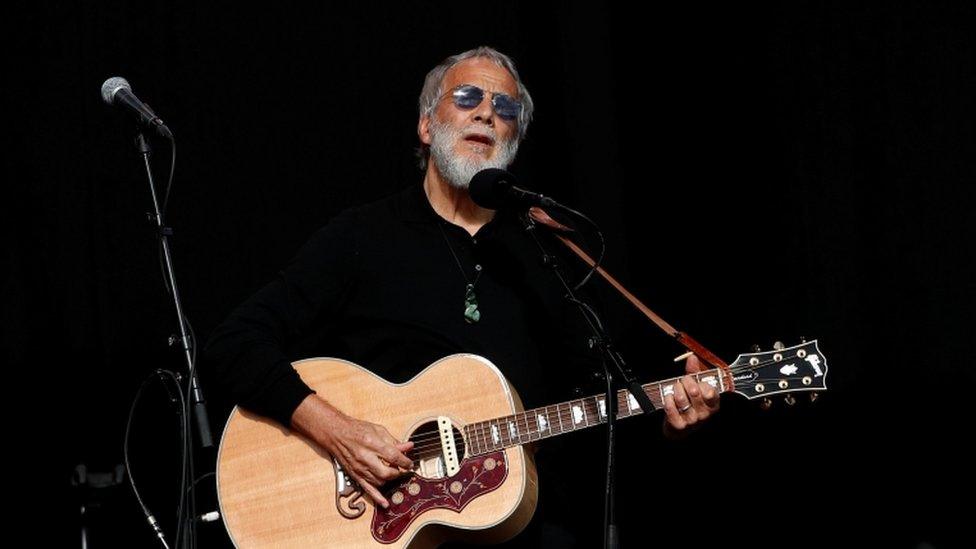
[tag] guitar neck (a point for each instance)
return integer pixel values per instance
(548, 421)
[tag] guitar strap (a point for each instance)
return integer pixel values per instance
(540, 216)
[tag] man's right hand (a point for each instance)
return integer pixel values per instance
(367, 452)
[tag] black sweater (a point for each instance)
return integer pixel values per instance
(379, 286)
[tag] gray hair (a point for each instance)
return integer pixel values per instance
(432, 91)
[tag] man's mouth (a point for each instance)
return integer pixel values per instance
(478, 138)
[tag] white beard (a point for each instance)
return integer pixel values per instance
(458, 170)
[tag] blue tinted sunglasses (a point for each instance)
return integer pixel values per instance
(468, 96)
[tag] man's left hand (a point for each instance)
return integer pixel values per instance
(692, 402)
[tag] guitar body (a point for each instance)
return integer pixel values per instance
(278, 489)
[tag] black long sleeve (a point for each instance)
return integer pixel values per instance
(252, 349)
(384, 286)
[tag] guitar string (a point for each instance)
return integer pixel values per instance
(488, 443)
(525, 416)
(523, 421)
(482, 428)
(475, 430)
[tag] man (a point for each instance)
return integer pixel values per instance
(399, 283)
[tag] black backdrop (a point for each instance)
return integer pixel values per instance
(761, 173)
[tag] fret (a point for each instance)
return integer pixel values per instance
(711, 379)
(632, 403)
(471, 439)
(623, 405)
(577, 413)
(654, 400)
(631, 400)
(514, 428)
(559, 414)
(523, 428)
(542, 421)
(667, 390)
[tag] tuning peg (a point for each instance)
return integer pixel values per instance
(814, 397)
(790, 400)
(778, 346)
(803, 339)
(755, 348)
(766, 403)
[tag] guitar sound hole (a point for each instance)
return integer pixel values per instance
(428, 453)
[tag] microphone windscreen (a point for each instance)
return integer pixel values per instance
(489, 188)
(111, 86)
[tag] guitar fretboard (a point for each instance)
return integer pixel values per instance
(531, 425)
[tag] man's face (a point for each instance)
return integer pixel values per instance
(465, 141)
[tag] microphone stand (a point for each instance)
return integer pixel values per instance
(613, 364)
(188, 342)
(164, 232)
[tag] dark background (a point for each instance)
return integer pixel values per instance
(761, 172)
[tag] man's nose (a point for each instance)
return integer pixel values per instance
(484, 112)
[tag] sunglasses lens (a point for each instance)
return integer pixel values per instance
(506, 107)
(468, 97)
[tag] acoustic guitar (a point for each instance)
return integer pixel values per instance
(473, 478)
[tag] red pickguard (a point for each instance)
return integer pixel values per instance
(477, 476)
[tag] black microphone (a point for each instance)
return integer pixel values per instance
(495, 189)
(117, 91)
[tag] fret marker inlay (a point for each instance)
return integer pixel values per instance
(632, 402)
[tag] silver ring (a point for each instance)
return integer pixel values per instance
(685, 409)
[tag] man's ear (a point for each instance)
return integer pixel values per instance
(423, 129)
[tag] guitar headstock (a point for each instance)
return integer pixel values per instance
(783, 370)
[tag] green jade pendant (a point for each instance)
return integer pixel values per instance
(471, 312)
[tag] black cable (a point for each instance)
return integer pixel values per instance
(181, 508)
(187, 513)
(160, 374)
(603, 245)
(172, 170)
(162, 212)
